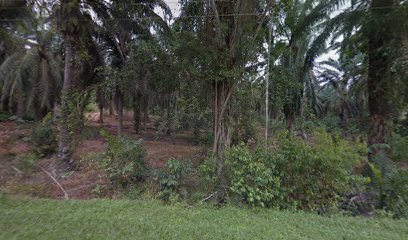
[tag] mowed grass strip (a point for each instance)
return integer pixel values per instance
(122, 219)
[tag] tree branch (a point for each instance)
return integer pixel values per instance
(56, 182)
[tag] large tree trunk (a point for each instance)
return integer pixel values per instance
(221, 126)
(380, 86)
(145, 111)
(100, 99)
(291, 108)
(100, 120)
(20, 105)
(137, 102)
(227, 35)
(119, 109)
(62, 112)
(344, 110)
(290, 120)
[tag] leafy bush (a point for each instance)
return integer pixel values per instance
(192, 113)
(294, 173)
(401, 126)
(330, 123)
(165, 124)
(123, 160)
(207, 173)
(398, 194)
(44, 137)
(4, 116)
(390, 186)
(252, 177)
(27, 161)
(399, 148)
(203, 137)
(170, 180)
(316, 175)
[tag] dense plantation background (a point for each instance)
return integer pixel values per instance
(203, 119)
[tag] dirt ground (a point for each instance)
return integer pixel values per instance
(46, 178)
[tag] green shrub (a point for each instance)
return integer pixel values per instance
(399, 148)
(316, 175)
(170, 180)
(4, 116)
(27, 161)
(401, 126)
(91, 107)
(192, 112)
(134, 192)
(203, 137)
(295, 174)
(390, 187)
(207, 173)
(44, 137)
(330, 123)
(123, 160)
(398, 194)
(101, 191)
(252, 177)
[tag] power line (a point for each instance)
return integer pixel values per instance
(150, 18)
(139, 3)
(196, 1)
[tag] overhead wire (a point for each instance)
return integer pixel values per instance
(178, 17)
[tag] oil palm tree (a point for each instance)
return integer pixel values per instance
(304, 32)
(75, 23)
(12, 14)
(128, 22)
(386, 31)
(338, 89)
(382, 29)
(31, 78)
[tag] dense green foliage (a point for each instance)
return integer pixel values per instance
(253, 178)
(256, 79)
(44, 137)
(295, 174)
(123, 160)
(399, 147)
(390, 189)
(171, 179)
(398, 194)
(4, 116)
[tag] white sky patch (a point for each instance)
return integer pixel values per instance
(174, 7)
(332, 54)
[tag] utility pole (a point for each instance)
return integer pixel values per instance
(268, 69)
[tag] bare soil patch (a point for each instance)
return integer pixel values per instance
(85, 182)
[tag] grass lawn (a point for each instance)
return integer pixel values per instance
(122, 219)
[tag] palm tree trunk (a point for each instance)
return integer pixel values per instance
(145, 104)
(100, 120)
(110, 109)
(62, 111)
(21, 105)
(344, 111)
(380, 88)
(137, 112)
(303, 104)
(119, 108)
(290, 119)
